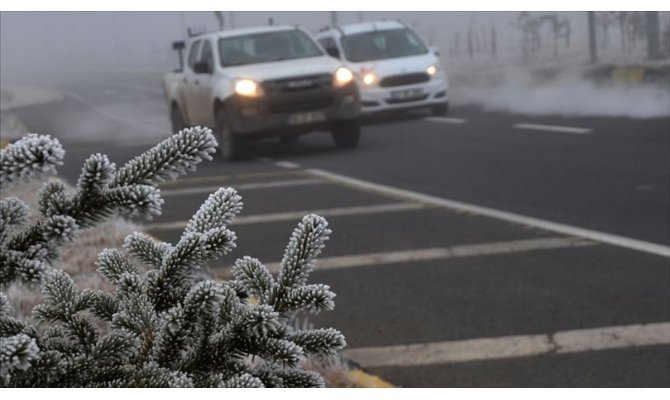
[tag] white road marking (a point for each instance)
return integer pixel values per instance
(566, 342)
(296, 215)
(468, 250)
(408, 195)
(446, 120)
(243, 186)
(219, 178)
(554, 128)
(287, 164)
(148, 89)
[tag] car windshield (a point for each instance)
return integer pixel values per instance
(377, 45)
(266, 47)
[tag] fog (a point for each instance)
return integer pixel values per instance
(54, 49)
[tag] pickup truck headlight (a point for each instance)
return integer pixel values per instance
(343, 76)
(247, 88)
(369, 78)
(432, 70)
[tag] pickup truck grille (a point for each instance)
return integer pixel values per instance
(297, 84)
(404, 79)
(299, 93)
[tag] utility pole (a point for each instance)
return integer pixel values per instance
(360, 16)
(653, 52)
(232, 20)
(592, 37)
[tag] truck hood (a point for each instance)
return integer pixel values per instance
(285, 69)
(395, 66)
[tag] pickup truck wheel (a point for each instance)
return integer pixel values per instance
(229, 145)
(289, 139)
(177, 119)
(346, 134)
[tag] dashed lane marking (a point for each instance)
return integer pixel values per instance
(468, 250)
(287, 164)
(565, 342)
(296, 215)
(446, 120)
(408, 195)
(244, 186)
(554, 128)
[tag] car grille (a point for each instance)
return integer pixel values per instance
(298, 84)
(398, 101)
(404, 79)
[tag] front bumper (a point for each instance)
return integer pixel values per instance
(377, 99)
(276, 115)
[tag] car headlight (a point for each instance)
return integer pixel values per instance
(247, 88)
(343, 76)
(432, 70)
(369, 78)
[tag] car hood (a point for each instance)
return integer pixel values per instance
(395, 66)
(285, 68)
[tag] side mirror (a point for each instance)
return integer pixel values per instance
(202, 67)
(435, 50)
(333, 51)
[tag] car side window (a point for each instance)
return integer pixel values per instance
(193, 53)
(206, 55)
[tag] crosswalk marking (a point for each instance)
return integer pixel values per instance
(243, 186)
(297, 215)
(468, 250)
(565, 342)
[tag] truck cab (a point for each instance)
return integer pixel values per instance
(262, 82)
(394, 68)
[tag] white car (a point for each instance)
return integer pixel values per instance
(393, 66)
(253, 83)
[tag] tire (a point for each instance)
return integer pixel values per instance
(289, 139)
(347, 134)
(177, 119)
(440, 110)
(229, 142)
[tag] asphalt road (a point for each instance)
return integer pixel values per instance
(433, 293)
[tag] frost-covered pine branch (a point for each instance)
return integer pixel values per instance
(26, 252)
(161, 326)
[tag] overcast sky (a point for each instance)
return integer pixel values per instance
(38, 40)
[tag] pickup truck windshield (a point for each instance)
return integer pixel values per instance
(266, 47)
(378, 45)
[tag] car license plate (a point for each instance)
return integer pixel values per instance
(306, 117)
(406, 94)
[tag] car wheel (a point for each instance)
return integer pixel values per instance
(177, 119)
(440, 109)
(346, 134)
(229, 145)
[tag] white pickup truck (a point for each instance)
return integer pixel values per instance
(252, 83)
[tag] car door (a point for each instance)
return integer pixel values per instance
(190, 85)
(203, 85)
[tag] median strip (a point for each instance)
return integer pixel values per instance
(554, 128)
(296, 215)
(565, 342)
